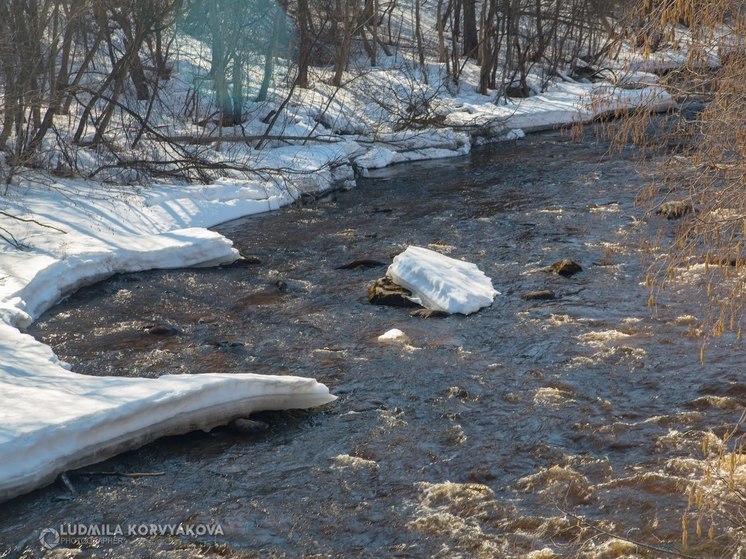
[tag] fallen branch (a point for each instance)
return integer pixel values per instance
(8, 237)
(32, 220)
(205, 140)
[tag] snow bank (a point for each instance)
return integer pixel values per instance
(563, 104)
(441, 283)
(46, 279)
(54, 420)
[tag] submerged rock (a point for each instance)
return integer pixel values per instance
(674, 209)
(226, 344)
(363, 263)
(539, 295)
(428, 313)
(163, 330)
(565, 268)
(385, 292)
(243, 261)
(247, 426)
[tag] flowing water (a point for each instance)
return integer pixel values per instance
(481, 436)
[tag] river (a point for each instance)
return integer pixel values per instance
(483, 436)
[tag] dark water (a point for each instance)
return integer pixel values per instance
(475, 439)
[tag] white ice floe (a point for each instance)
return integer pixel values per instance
(442, 283)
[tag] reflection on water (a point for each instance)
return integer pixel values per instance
(481, 436)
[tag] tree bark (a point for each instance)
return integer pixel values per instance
(471, 39)
(303, 17)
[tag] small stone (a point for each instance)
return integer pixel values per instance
(539, 295)
(566, 268)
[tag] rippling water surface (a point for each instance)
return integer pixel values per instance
(480, 437)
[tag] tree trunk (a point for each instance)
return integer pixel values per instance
(137, 74)
(269, 56)
(350, 21)
(303, 17)
(471, 39)
(442, 48)
(418, 34)
(223, 102)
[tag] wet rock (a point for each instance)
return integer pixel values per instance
(566, 268)
(363, 263)
(261, 298)
(428, 313)
(539, 295)
(386, 292)
(226, 344)
(247, 426)
(674, 209)
(243, 261)
(163, 330)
